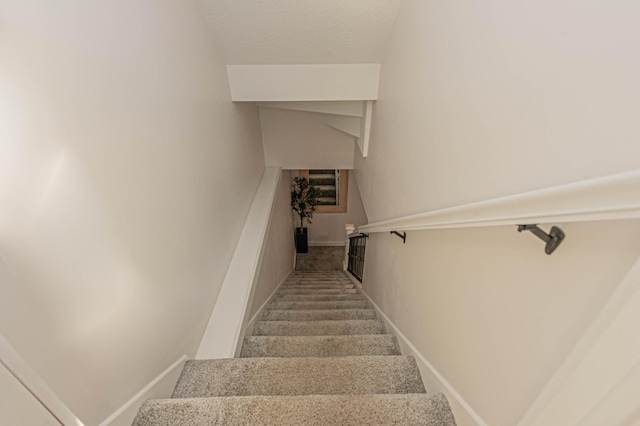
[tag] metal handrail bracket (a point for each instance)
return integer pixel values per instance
(403, 236)
(553, 238)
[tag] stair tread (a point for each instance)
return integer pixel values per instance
(318, 297)
(317, 314)
(299, 376)
(405, 409)
(284, 291)
(345, 304)
(301, 346)
(318, 287)
(318, 328)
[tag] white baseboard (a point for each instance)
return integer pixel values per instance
(463, 412)
(35, 385)
(160, 387)
(249, 327)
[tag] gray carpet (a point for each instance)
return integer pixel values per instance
(317, 356)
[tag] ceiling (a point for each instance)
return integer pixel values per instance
(251, 32)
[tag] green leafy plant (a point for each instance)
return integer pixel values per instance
(304, 199)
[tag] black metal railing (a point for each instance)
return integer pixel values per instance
(357, 244)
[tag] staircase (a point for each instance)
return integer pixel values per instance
(326, 181)
(318, 356)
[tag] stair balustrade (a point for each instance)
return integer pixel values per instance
(357, 245)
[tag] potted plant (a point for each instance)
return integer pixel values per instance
(304, 199)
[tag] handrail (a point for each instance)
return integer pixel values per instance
(609, 197)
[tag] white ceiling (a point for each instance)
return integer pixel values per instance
(301, 31)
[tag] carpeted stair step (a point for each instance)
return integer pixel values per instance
(314, 315)
(318, 297)
(318, 328)
(311, 276)
(302, 346)
(345, 304)
(355, 375)
(317, 410)
(317, 287)
(284, 291)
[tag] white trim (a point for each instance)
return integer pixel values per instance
(33, 383)
(303, 82)
(326, 243)
(348, 125)
(346, 108)
(598, 351)
(409, 349)
(222, 337)
(605, 198)
(133, 405)
(365, 129)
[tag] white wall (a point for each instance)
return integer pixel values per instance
(479, 101)
(279, 250)
(125, 177)
(328, 228)
(300, 140)
(482, 101)
(490, 310)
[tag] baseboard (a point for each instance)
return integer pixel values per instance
(434, 381)
(249, 327)
(160, 387)
(326, 243)
(35, 385)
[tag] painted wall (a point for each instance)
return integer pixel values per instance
(328, 228)
(125, 177)
(300, 140)
(479, 101)
(279, 251)
(482, 101)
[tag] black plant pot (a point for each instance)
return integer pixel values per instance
(302, 245)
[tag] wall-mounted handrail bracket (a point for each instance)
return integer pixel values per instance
(403, 236)
(553, 238)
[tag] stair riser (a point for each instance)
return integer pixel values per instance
(349, 304)
(318, 287)
(284, 291)
(318, 297)
(326, 346)
(318, 315)
(318, 328)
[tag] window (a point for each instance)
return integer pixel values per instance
(333, 186)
